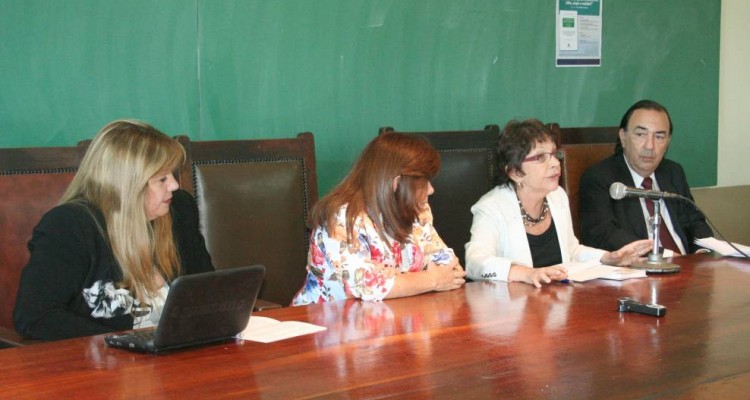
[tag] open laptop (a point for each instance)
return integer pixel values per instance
(200, 308)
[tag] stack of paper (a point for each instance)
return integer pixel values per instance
(722, 247)
(585, 271)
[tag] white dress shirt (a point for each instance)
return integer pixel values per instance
(666, 221)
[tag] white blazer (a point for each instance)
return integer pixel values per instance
(498, 236)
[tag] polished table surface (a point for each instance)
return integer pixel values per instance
(487, 340)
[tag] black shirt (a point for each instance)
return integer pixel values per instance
(545, 248)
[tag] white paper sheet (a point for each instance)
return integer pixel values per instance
(267, 330)
(586, 271)
(722, 247)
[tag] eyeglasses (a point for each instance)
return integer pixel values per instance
(544, 157)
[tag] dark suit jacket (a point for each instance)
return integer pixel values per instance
(610, 224)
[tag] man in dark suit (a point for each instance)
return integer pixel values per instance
(645, 133)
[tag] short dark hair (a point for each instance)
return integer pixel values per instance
(641, 105)
(516, 140)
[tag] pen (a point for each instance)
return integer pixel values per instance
(565, 281)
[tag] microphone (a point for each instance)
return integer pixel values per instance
(618, 191)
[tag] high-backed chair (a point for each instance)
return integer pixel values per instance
(468, 170)
(582, 148)
(586, 135)
(32, 181)
(254, 198)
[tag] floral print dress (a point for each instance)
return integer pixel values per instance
(339, 270)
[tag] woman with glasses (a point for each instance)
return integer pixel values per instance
(522, 229)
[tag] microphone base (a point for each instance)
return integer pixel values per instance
(656, 264)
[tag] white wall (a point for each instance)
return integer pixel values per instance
(734, 94)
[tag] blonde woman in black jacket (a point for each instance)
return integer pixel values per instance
(102, 259)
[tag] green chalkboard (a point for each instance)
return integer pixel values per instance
(343, 68)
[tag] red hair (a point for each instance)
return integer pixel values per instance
(369, 186)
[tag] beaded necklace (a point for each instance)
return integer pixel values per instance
(528, 220)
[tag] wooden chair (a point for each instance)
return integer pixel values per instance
(468, 170)
(32, 181)
(586, 135)
(582, 148)
(254, 198)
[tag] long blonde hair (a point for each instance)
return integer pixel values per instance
(113, 177)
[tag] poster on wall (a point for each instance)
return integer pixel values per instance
(579, 33)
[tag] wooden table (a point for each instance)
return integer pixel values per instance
(488, 340)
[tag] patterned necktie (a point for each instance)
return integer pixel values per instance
(665, 238)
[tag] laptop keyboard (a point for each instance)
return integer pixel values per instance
(142, 340)
(142, 337)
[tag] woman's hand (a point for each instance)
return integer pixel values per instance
(435, 277)
(448, 276)
(537, 276)
(629, 254)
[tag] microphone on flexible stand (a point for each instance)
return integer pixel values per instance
(655, 263)
(618, 191)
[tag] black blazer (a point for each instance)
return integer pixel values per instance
(610, 224)
(69, 252)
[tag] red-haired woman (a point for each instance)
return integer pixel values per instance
(373, 236)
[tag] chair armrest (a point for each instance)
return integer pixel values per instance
(10, 338)
(261, 305)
